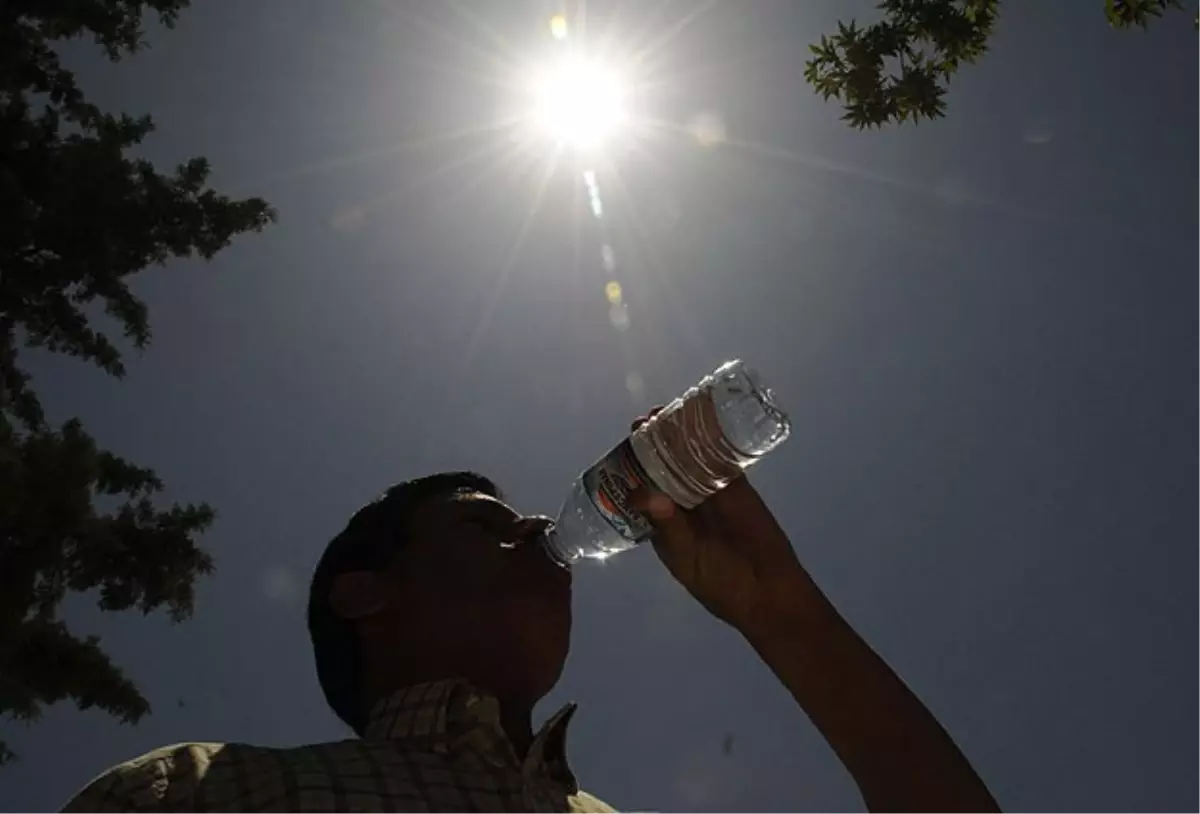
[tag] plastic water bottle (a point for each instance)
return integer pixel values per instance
(690, 450)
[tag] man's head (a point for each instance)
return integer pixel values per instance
(438, 578)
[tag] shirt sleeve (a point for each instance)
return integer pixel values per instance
(162, 780)
(102, 794)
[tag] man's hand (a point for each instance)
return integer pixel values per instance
(730, 554)
(735, 559)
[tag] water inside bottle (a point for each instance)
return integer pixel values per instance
(690, 450)
(704, 439)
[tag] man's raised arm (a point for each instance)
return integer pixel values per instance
(732, 556)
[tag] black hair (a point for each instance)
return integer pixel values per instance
(374, 535)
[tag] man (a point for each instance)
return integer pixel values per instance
(438, 622)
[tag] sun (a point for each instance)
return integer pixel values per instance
(578, 102)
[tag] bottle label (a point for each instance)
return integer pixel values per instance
(609, 482)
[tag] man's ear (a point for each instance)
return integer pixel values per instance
(357, 594)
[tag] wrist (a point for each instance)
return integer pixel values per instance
(795, 613)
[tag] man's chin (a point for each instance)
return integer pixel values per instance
(534, 683)
(547, 663)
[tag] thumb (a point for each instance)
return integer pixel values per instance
(669, 520)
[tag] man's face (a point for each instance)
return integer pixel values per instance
(475, 571)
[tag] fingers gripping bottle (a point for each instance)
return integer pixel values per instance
(690, 450)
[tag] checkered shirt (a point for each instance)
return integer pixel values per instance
(436, 746)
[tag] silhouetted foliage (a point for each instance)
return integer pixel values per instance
(79, 218)
(899, 69)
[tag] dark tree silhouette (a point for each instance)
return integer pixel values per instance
(898, 69)
(77, 219)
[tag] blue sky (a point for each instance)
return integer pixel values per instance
(979, 325)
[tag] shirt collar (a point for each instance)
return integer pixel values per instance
(452, 714)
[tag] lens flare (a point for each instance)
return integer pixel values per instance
(558, 27)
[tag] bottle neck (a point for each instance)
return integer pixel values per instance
(552, 546)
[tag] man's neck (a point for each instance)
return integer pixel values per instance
(516, 719)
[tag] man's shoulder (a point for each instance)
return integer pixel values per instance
(583, 803)
(201, 776)
(168, 778)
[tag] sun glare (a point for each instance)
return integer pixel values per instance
(578, 103)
